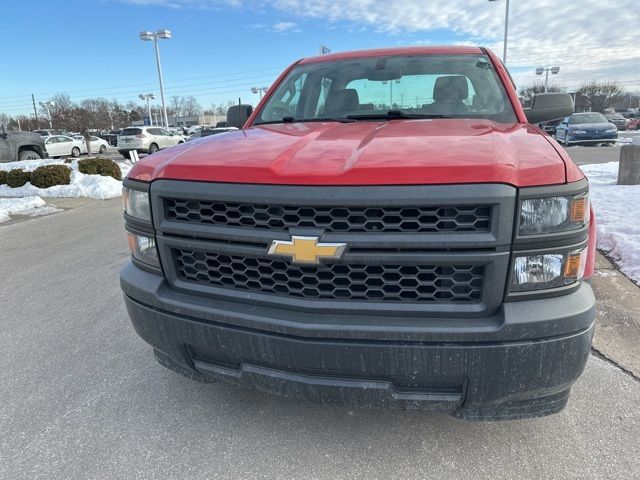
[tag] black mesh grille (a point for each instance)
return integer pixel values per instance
(459, 218)
(392, 282)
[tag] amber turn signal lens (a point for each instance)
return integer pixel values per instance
(572, 265)
(579, 208)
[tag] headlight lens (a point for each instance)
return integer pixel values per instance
(553, 214)
(136, 204)
(611, 130)
(550, 270)
(143, 249)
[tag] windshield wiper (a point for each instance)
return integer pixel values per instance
(295, 120)
(391, 114)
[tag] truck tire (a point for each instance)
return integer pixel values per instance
(28, 155)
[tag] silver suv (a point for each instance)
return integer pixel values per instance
(146, 140)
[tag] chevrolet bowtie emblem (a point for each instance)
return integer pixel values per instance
(306, 249)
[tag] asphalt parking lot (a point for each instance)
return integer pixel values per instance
(82, 396)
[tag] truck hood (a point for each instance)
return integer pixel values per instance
(439, 151)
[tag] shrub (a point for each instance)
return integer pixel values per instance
(50, 175)
(3, 177)
(17, 178)
(100, 166)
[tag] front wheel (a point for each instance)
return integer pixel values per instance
(75, 152)
(103, 149)
(153, 148)
(29, 155)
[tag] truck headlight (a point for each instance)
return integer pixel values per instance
(136, 204)
(548, 270)
(553, 214)
(143, 248)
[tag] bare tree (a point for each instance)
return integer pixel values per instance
(191, 106)
(176, 105)
(602, 95)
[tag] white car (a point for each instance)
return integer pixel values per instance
(63, 146)
(97, 144)
(146, 140)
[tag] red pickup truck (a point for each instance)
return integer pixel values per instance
(388, 228)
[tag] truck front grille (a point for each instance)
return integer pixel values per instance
(402, 219)
(338, 281)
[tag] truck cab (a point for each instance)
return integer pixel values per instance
(387, 229)
(17, 146)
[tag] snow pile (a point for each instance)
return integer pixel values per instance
(27, 205)
(91, 186)
(617, 216)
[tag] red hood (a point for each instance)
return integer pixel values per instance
(365, 153)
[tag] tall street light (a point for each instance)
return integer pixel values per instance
(47, 106)
(541, 70)
(148, 36)
(148, 96)
(506, 30)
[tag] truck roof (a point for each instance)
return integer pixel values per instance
(380, 52)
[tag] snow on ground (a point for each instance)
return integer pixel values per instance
(617, 210)
(26, 205)
(91, 186)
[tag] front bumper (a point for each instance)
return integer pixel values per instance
(592, 137)
(519, 363)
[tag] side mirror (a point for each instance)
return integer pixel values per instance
(238, 114)
(549, 106)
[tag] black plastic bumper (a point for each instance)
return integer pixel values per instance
(476, 374)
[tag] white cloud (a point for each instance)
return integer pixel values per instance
(588, 39)
(281, 27)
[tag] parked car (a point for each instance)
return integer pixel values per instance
(205, 132)
(340, 249)
(64, 146)
(634, 122)
(550, 127)
(15, 146)
(618, 120)
(146, 140)
(98, 145)
(586, 128)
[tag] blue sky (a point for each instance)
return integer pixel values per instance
(223, 47)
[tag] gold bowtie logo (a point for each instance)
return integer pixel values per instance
(306, 249)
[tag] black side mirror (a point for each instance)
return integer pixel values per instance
(549, 106)
(238, 114)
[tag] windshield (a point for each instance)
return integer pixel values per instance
(412, 86)
(588, 118)
(131, 131)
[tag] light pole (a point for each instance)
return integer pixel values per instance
(259, 90)
(541, 70)
(148, 36)
(47, 106)
(148, 96)
(506, 30)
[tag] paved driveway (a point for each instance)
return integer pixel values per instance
(82, 397)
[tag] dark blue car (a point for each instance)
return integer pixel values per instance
(587, 127)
